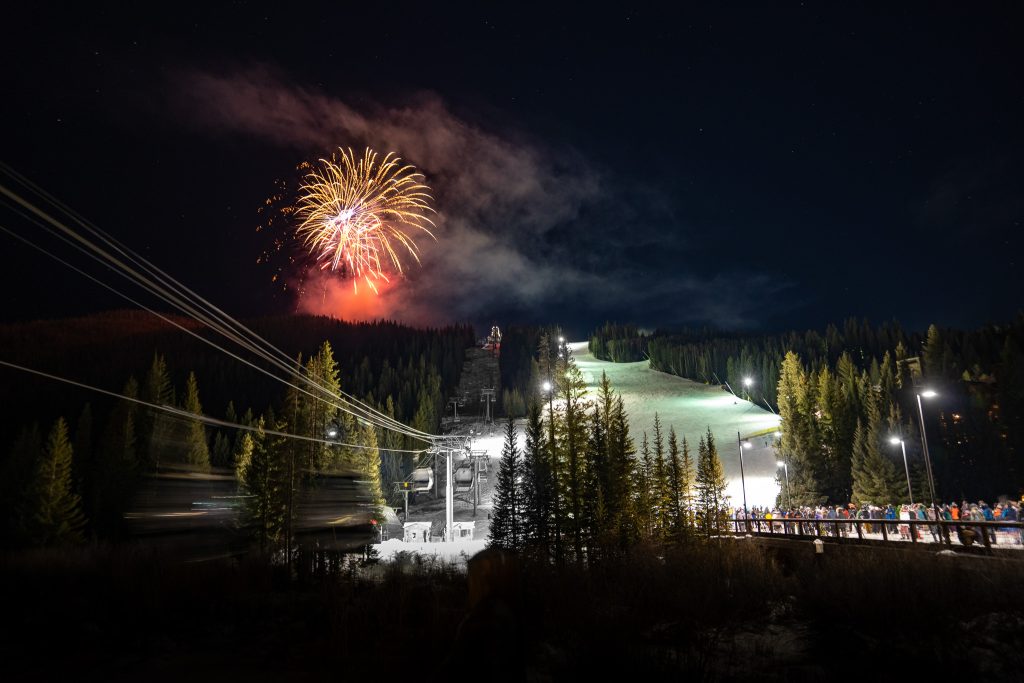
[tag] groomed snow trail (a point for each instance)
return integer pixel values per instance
(691, 407)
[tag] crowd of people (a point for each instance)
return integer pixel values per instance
(896, 519)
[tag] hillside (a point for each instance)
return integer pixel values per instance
(691, 407)
(105, 349)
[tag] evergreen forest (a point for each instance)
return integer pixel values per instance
(845, 393)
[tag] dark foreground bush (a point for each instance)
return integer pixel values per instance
(730, 611)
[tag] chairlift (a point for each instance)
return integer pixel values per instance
(422, 479)
(463, 477)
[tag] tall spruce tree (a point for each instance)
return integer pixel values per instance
(261, 473)
(551, 370)
(507, 518)
(197, 452)
(799, 444)
(875, 476)
(367, 463)
(15, 483)
(394, 464)
(537, 485)
(675, 483)
(117, 466)
(621, 452)
(660, 485)
(55, 513)
(643, 475)
(710, 488)
(572, 450)
(595, 512)
(687, 482)
(157, 427)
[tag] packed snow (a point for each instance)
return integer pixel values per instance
(691, 407)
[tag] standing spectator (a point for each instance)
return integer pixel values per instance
(1010, 514)
(905, 528)
(987, 515)
(933, 528)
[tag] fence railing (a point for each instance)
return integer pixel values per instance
(966, 532)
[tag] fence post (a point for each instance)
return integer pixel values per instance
(913, 530)
(984, 534)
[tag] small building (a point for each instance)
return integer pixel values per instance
(416, 532)
(463, 530)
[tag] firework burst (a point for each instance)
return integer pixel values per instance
(356, 215)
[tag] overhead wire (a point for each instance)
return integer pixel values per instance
(220, 321)
(167, 319)
(215, 422)
(163, 286)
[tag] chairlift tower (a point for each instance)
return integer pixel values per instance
(488, 397)
(405, 487)
(456, 402)
(449, 446)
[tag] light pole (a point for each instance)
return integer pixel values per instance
(785, 467)
(743, 481)
(927, 393)
(747, 382)
(896, 440)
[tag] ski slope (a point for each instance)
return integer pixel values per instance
(691, 407)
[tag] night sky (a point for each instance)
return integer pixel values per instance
(758, 167)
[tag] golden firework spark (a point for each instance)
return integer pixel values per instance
(356, 214)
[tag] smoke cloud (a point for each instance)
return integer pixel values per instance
(499, 201)
(525, 230)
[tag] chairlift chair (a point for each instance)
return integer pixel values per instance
(422, 479)
(463, 477)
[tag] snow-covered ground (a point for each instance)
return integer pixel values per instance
(456, 552)
(691, 407)
(688, 406)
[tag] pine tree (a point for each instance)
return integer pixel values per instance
(643, 475)
(660, 485)
(396, 465)
(875, 476)
(320, 411)
(799, 444)
(55, 510)
(15, 485)
(197, 453)
(676, 483)
(220, 454)
(506, 520)
(157, 427)
(551, 370)
(537, 485)
(934, 354)
(621, 453)
(687, 482)
(572, 389)
(710, 488)
(367, 464)
(117, 466)
(261, 470)
(595, 510)
(863, 482)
